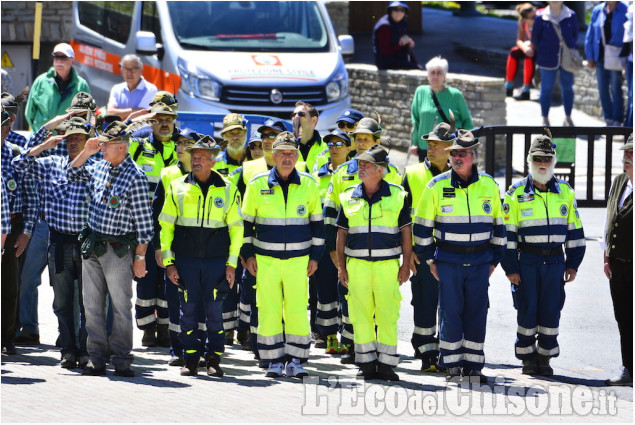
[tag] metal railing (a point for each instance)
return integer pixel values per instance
(593, 135)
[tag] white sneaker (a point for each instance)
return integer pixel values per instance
(295, 370)
(274, 370)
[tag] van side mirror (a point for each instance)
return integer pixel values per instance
(146, 43)
(347, 45)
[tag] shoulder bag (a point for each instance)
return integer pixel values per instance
(570, 59)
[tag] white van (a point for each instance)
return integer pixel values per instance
(251, 57)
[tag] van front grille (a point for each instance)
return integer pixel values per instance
(243, 95)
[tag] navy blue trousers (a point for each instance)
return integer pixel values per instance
(425, 302)
(151, 294)
(327, 297)
(206, 289)
(463, 303)
(538, 301)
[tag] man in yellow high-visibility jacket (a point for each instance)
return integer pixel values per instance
(201, 237)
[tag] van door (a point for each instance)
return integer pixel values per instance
(100, 36)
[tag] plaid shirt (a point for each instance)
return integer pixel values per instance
(65, 203)
(16, 139)
(5, 214)
(119, 198)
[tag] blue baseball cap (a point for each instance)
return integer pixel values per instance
(350, 115)
(188, 133)
(338, 134)
(274, 125)
(397, 4)
(254, 137)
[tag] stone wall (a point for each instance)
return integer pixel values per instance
(18, 17)
(338, 12)
(390, 94)
(587, 98)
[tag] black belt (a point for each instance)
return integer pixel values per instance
(461, 249)
(622, 260)
(536, 250)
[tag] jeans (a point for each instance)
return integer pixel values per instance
(108, 274)
(548, 80)
(628, 122)
(610, 91)
(33, 265)
(65, 303)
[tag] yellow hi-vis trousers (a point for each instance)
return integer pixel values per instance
(282, 293)
(374, 298)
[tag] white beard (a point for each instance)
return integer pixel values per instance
(234, 152)
(541, 178)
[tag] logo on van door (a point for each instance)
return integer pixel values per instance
(276, 96)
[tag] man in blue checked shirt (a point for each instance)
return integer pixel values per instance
(113, 245)
(66, 212)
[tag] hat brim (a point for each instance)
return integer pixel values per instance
(542, 153)
(434, 138)
(457, 147)
(330, 137)
(215, 151)
(627, 146)
(285, 147)
(233, 127)
(76, 131)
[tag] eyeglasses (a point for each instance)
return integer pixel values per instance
(337, 144)
(343, 124)
(255, 145)
(60, 58)
(185, 143)
(462, 154)
(537, 158)
(300, 114)
(270, 135)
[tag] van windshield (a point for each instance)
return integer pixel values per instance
(268, 26)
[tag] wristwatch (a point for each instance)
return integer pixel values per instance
(138, 257)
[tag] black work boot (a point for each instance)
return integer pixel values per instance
(530, 366)
(386, 372)
(229, 337)
(190, 368)
(543, 366)
(149, 338)
(368, 371)
(163, 336)
(212, 365)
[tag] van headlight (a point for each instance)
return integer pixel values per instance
(197, 83)
(337, 88)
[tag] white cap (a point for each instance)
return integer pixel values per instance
(65, 49)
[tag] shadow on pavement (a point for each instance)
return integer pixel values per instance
(16, 380)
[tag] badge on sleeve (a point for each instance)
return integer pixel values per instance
(487, 207)
(12, 185)
(218, 202)
(114, 201)
(301, 210)
(330, 189)
(564, 210)
(506, 208)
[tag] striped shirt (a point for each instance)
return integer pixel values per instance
(118, 198)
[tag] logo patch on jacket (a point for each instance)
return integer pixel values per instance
(223, 171)
(301, 210)
(446, 209)
(487, 207)
(527, 212)
(564, 210)
(448, 192)
(218, 202)
(345, 178)
(525, 197)
(506, 208)
(266, 191)
(148, 154)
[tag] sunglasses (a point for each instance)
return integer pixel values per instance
(337, 144)
(537, 158)
(343, 124)
(462, 154)
(255, 145)
(300, 114)
(271, 135)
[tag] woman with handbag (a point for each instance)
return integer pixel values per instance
(554, 34)
(431, 105)
(602, 46)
